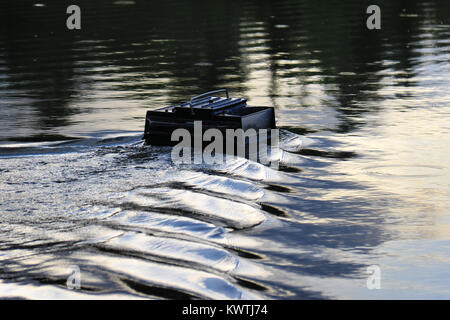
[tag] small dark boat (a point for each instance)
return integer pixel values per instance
(213, 112)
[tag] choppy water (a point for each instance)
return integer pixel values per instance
(363, 177)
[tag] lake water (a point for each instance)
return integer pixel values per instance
(363, 177)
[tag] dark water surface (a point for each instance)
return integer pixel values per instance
(363, 177)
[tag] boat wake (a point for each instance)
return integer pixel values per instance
(133, 222)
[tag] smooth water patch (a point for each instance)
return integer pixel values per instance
(405, 171)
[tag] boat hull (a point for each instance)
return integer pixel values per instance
(160, 125)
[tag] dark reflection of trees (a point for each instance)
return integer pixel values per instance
(202, 49)
(43, 66)
(194, 44)
(349, 54)
(38, 58)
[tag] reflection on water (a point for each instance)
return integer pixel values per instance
(363, 176)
